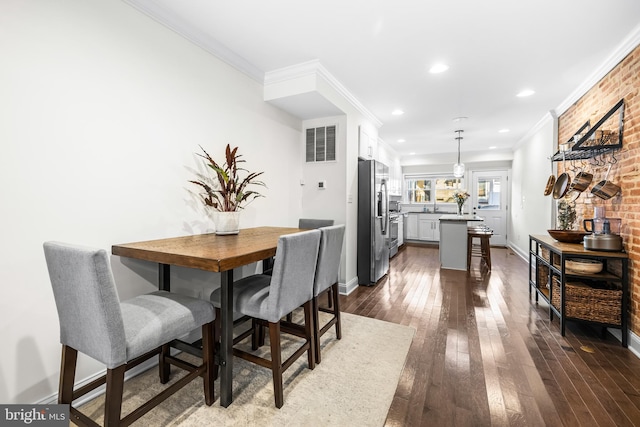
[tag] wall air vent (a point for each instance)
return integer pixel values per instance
(321, 144)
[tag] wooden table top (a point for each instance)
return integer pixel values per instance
(575, 248)
(209, 252)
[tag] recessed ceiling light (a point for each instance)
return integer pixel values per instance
(503, 131)
(412, 153)
(460, 119)
(526, 92)
(397, 112)
(493, 147)
(438, 68)
(401, 140)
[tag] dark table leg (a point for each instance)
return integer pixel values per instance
(226, 344)
(164, 284)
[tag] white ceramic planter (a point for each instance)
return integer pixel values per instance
(227, 222)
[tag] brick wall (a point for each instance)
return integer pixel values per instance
(623, 82)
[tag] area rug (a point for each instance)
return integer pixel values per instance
(353, 386)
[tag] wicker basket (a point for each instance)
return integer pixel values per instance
(587, 303)
(550, 257)
(543, 276)
(545, 254)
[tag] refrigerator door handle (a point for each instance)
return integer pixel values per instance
(384, 203)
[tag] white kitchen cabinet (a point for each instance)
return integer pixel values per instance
(428, 228)
(397, 176)
(392, 184)
(424, 227)
(367, 145)
(383, 153)
(401, 230)
(412, 227)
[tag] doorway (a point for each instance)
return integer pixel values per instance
(490, 197)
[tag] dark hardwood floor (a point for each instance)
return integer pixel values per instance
(484, 354)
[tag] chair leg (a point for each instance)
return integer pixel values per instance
(261, 334)
(113, 396)
(329, 297)
(217, 324)
(255, 335)
(67, 374)
(469, 246)
(208, 352)
(309, 329)
(488, 255)
(336, 310)
(315, 309)
(276, 363)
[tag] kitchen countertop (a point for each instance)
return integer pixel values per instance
(461, 218)
(431, 212)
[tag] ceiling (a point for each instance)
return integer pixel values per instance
(381, 52)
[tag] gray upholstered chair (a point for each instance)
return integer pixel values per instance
(304, 223)
(309, 223)
(120, 334)
(326, 280)
(269, 298)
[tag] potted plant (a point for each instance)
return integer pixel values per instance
(226, 189)
(566, 215)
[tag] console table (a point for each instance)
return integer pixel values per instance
(599, 298)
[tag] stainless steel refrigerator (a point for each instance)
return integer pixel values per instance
(373, 221)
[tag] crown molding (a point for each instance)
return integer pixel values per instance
(549, 117)
(200, 39)
(622, 50)
(228, 56)
(315, 68)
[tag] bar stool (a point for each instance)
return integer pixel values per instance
(481, 249)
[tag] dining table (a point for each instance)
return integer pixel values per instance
(218, 254)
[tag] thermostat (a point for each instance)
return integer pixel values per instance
(322, 185)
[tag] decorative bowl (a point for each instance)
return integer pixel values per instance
(583, 266)
(568, 236)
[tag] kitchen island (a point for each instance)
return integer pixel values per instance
(453, 240)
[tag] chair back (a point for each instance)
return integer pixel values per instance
(87, 301)
(329, 255)
(293, 273)
(309, 223)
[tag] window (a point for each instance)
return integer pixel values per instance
(419, 190)
(435, 192)
(445, 188)
(321, 144)
(489, 193)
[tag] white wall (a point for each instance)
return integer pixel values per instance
(101, 110)
(328, 203)
(531, 210)
(354, 119)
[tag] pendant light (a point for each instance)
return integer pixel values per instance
(458, 168)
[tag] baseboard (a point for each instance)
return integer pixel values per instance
(347, 288)
(633, 341)
(516, 250)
